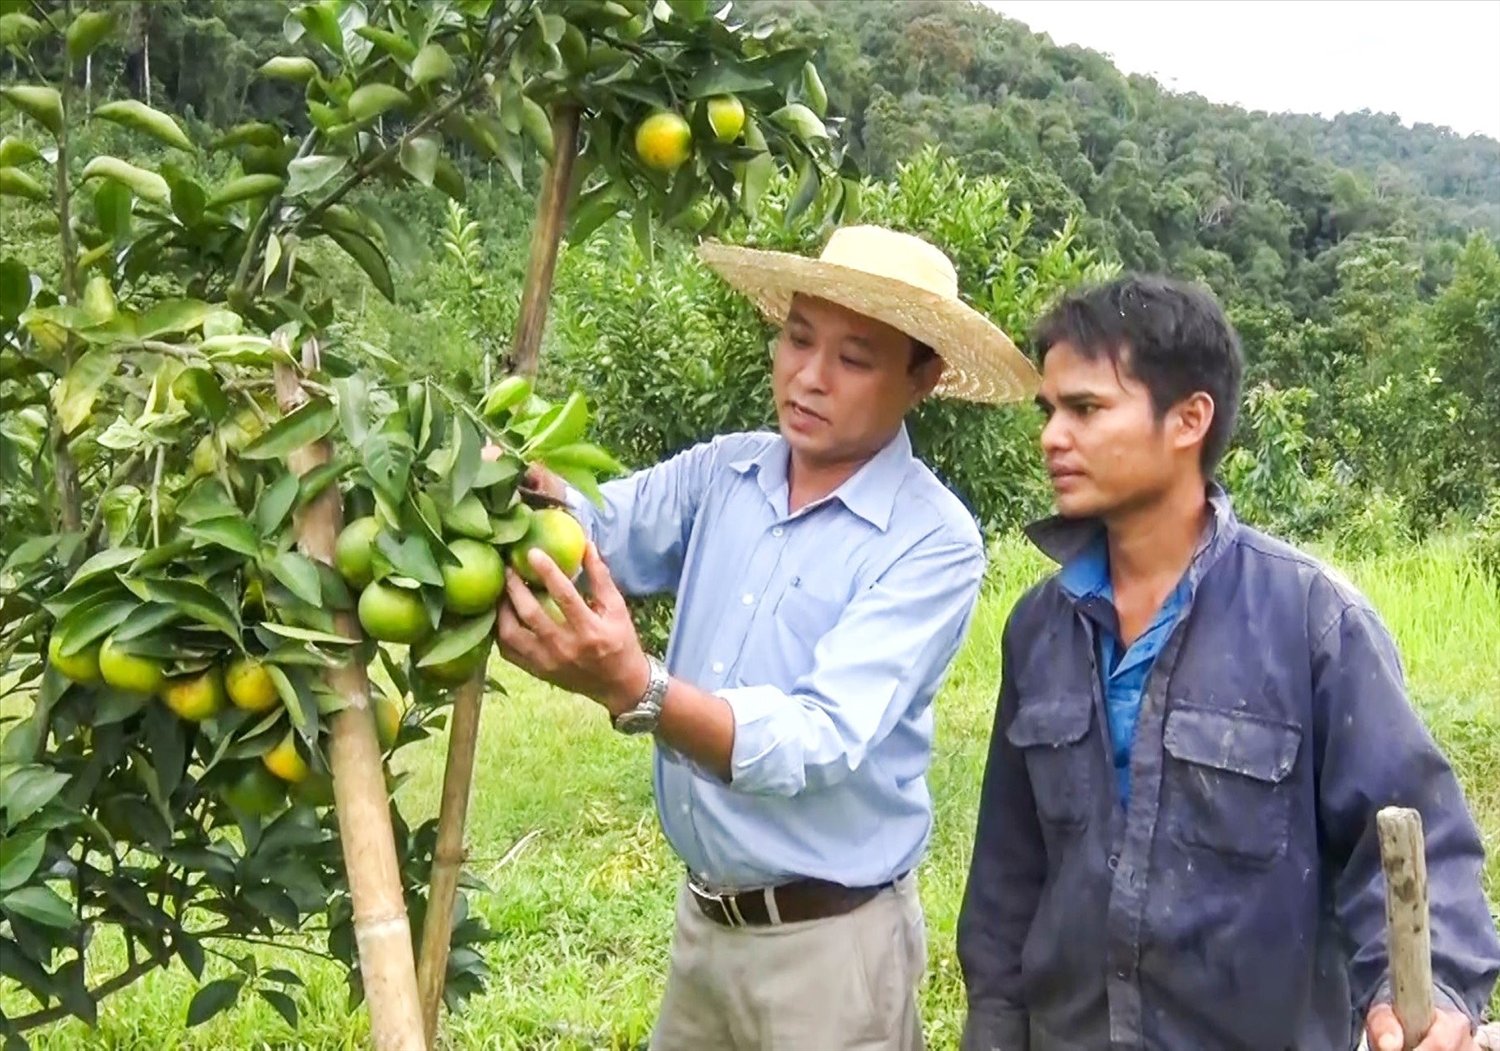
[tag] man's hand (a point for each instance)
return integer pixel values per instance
(595, 652)
(1449, 1032)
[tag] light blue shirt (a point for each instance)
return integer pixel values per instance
(827, 631)
(1123, 671)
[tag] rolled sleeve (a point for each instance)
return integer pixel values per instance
(894, 641)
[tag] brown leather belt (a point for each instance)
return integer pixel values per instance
(795, 902)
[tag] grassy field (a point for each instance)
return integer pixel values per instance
(563, 831)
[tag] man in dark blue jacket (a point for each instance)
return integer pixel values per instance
(1176, 844)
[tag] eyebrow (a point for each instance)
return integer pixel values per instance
(1072, 399)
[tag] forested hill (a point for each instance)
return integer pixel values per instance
(1250, 202)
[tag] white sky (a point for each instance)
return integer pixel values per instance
(1429, 62)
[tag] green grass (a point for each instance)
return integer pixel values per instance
(583, 904)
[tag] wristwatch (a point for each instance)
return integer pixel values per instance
(642, 719)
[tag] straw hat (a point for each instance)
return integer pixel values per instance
(896, 278)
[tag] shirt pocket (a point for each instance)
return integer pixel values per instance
(1053, 735)
(781, 651)
(1227, 779)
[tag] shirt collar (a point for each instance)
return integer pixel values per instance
(1078, 545)
(869, 493)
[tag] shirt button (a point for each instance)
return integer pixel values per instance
(718, 667)
(747, 598)
(1114, 862)
(778, 531)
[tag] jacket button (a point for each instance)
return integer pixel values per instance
(1114, 862)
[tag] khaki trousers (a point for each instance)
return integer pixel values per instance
(847, 983)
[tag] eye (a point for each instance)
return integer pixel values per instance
(800, 340)
(858, 364)
(1086, 410)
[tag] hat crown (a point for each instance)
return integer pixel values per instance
(893, 255)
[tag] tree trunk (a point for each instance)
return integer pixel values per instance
(382, 933)
(552, 210)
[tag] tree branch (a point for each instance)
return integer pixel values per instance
(240, 288)
(99, 992)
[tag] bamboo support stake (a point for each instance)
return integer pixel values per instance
(463, 735)
(1409, 942)
(382, 934)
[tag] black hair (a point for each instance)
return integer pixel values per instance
(1170, 335)
(921, 354)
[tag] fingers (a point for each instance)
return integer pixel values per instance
(1383, 1030)
(544, 481)
(574, 608)
(516, 642)
(1449, 1032)
(600, 582)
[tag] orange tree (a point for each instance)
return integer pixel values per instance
(195, 755)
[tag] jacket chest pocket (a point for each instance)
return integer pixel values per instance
(1052, 734)
(1226, 781)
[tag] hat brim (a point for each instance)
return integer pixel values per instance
(980, 362)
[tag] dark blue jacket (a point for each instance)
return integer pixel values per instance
(1238, 902)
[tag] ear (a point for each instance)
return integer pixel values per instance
(925, 378)
(1192, 418)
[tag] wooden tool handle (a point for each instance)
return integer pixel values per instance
(1409, 941)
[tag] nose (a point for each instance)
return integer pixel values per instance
(1055, 437)
(812, 377)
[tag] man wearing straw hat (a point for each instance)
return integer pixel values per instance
(824, 580)
(1197, 723)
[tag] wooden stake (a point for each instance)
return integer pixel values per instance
(448, 855)
(551, 211)
(382, 933)
(1409, 942)
(463, 736)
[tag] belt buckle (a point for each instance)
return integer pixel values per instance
(726, 902)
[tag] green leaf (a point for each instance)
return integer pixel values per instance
(16, 183)
(321, 22)
(299, 574)
(582, 479)
(26, 789)
(212, 999)
(315, 481)
(143, 620)
(275, 504)
(145, 183)
(808, 184)
(469, 454)
(74, 397)
(307, 174)
(370, 259)
(398, 47)
(17, 30)
(195, 600)
(586, 455)
(411, 558)
(459, 639)
(137, 115)
(306, 424)
(291, 631)
(759, 171)
(431, 65)
(104, 562)
(39, 904)
(233, 533)
(419, 157)
(353, 393)
(43, 105)
(388, 459)
(251, 133)
(537, 125)
(297, 68)
(172, 316)
(283, 1004)
(725, 77)
(562, 426)
(371, 100)
(246, 187)
(468, 518)
(800, 121)
(16, 152)
(112, 203)
(87, 32)
(19, 857)
(300, 709)
(90, 621)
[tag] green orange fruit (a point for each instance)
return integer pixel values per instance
(256, 792)
(353, 549)
(250, 685)
(195, 697)
(393, 614)
(663, 141)
(82, 666)
(126, 671)
(726, 115)
(557, 534)
(474, 585)
(387, 722)
(313, 790)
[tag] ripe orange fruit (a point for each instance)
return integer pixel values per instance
(250, 685)
(663, 141)
(555, 532)
(285, 762)
(393, 614)
(195, 697)
(82, 666)
(126, 671)
(388, 718)
(474, 585)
